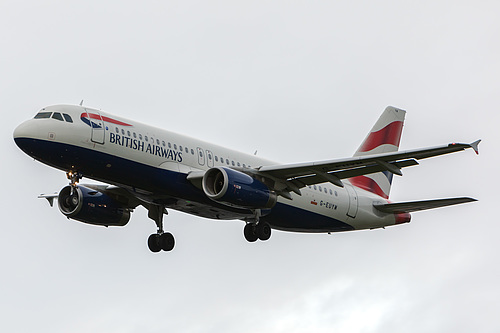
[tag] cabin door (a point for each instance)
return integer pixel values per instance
(201, 156)
(97, 125)
(353, 201)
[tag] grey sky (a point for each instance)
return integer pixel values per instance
(298, 82)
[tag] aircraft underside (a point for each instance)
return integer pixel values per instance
(169, 188)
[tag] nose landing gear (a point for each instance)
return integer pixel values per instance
(74, 177)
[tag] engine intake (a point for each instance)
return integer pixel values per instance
(235, 188)
(90, 206)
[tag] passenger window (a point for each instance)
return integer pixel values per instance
(319, 187)
(239, 164)
(123, 131)
(227, 161)
(216, 159)
(117, 130)
(331, 192)
(57, 116)
(67, 117)
(175, 146)
(244, 165)
(180, 148)
(163, 143)
(192, 151)
(135, 135)
(336, 194)
(146, 138)
(140, 136)
(157, 142)
(209, 156)
(169, 145)
(314, 186)
(43, 115)
(187, 150)
(232, 162)
(128, 133)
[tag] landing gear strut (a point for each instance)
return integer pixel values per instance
(255, 229)
(161, 240)
(74, 177)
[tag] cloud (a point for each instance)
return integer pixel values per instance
(297, 82)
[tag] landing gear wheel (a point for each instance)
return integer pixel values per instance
(167, 241)
(263, 231)
(154, 243)
(250, 233)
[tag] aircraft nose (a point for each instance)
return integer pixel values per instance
(25, 132)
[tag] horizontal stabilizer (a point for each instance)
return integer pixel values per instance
(413, 206)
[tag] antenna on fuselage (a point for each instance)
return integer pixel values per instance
(255, 152)
(81, 103)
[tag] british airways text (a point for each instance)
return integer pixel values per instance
(135, 144)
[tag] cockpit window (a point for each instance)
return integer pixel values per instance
(67, 117)
(42, 115)
(57, 116)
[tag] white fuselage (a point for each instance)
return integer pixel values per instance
(151, 154)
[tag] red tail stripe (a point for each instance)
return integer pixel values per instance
(106, 119)
(391, 134)
(369, 185)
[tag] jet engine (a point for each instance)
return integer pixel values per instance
(90, 206)
(237, 189)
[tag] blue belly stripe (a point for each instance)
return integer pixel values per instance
(94, 164)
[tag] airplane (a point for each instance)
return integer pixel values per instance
(159, 170)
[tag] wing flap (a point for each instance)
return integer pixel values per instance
(318, 178)
(413, 206)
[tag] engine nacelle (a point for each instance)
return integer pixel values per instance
(234, 188)
(90, 206)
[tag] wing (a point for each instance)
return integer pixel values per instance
(292, 177)
(413, 206)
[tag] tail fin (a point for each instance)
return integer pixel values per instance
(384, 137)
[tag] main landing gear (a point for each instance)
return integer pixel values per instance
(161, 240)
(254, 229)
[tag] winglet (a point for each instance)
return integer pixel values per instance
(50, 198)
(475, 145)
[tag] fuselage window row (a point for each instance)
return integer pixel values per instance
(163, 142)
(327, 191)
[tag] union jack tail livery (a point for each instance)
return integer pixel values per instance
(384, 137)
